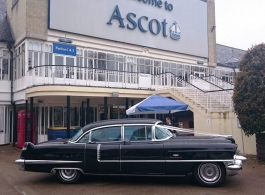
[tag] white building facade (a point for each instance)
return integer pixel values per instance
(75, 62)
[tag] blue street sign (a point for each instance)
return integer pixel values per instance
(64, 49)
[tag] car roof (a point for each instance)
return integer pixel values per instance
(120, 121)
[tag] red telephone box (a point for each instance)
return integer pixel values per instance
(21, 119)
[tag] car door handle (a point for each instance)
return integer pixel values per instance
(1, 131)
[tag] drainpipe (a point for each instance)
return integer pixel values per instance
(9, 47)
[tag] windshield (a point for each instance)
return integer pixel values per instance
(77, 135)
(162, 133)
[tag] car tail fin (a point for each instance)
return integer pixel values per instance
(25, 146)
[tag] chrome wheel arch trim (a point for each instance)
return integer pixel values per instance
(62, 168)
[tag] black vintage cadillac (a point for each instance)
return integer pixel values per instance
(135, 147)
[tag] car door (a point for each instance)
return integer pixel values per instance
(103, 150)
(139, 154)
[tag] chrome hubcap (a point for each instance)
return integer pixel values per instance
(209, 172)
(68, 174)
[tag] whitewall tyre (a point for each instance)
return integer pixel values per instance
(68, 176)
(210, 174)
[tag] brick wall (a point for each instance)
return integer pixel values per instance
(28, 19)
(37, 19)
(17, 19)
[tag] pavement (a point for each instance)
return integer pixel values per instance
(250, 181)
(7, 185)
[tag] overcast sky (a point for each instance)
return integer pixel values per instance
(240, 23)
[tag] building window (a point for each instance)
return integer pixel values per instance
(19, 61)
(5, 65)
(36, 55)
(88, 59)
(48, 54)
(48, 59)
(101, 61)
(144, 66)
(79, 63)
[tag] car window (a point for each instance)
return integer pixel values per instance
(162, 133)
(136, 133)
(84, 139)
(106, 134)
(77, 135)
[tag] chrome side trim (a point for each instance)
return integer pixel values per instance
(109, 161)
(20, 161)
(29, 162)
(163, 161)
(218, 160)
(98, 152)
(54, 169)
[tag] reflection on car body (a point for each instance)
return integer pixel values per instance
(135, 147)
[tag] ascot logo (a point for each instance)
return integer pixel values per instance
(175, 31)
(144, 24)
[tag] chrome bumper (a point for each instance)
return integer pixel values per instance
(21, 164)
(235, 165)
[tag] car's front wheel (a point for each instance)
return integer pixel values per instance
(68, 175)
(210, 174)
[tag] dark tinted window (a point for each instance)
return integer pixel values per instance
(162, 133)
(84, 139)
(135, 133)
(106, 134)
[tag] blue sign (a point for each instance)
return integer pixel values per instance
(65, 40)
(64, 49)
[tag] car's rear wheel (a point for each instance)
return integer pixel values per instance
(210, 174)
(68, 175)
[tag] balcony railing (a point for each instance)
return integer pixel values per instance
(214, 98)
(205, 94)
(219, 82)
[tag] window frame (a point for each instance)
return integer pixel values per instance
(149, 140)
(98, 128)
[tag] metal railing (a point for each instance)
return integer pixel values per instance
(213, 99)
(80, 76)
(219, 82)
